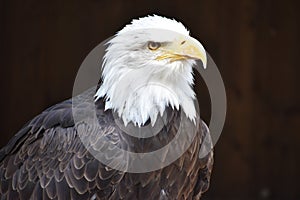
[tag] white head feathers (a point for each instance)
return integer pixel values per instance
(155, 22)
(147, 67)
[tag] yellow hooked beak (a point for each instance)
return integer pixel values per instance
(183, 48)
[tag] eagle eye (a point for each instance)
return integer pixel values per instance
(153, 45)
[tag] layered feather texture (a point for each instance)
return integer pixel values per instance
(47, 160)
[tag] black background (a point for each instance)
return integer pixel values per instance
(255, 44)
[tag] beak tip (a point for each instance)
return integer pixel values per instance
(204, 62)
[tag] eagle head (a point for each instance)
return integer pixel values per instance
(148, 67)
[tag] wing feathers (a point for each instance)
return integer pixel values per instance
(47, 160)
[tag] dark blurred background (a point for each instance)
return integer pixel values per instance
(255, 44)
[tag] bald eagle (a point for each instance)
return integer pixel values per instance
(147, 77)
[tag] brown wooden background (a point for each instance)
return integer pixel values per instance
(254, 43)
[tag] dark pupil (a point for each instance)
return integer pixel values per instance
(153, 45)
